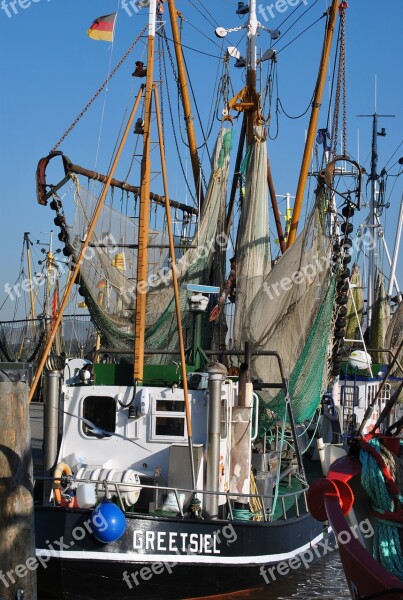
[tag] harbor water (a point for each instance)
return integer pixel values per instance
(323, 580)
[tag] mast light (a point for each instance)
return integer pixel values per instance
(267, 55)
(221, 32)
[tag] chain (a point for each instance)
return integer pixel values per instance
(107, 80)
(340, 88)
(343, 46)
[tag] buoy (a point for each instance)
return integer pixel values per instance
(360, 359)
(108, 522)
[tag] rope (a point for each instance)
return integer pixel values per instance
(382, 478)
(256, 504)
(107, 80)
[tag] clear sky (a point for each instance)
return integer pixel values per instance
(50, 68)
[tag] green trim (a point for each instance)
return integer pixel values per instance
(105, 374)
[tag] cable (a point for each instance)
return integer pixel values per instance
(393, 156)
(302, 33)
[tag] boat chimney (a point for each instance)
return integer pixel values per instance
(216, 375)
(53, 373)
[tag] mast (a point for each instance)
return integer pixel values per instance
(372, 224)
(251, 69)
(142, 258)
(31, 291)
(371, 250)
(187, 109)
(313, 122)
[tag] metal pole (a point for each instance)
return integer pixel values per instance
(51, 421)
(251, 67)
(371, 251)
(216, 374)
(393, 279)
(31, 289)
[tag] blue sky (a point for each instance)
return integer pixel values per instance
(49, 68)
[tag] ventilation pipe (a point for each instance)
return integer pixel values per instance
(53, 373)
(216, 375)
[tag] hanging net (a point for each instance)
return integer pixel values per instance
(291, 312)
(107, 277)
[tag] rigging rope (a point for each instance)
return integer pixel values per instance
(165, 38)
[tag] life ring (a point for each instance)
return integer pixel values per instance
(61, 469)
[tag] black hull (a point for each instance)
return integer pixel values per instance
(217, 558)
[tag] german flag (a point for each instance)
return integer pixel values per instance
(119, 261)
(103, 28)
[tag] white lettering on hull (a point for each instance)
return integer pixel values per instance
(172, 541)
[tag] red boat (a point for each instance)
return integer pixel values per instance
(361, 499)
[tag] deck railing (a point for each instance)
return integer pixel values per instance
(293, 498)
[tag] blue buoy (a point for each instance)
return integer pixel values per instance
(108, 522)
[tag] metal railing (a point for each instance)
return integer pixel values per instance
(230, 496)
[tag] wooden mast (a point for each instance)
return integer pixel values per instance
(142, 257)
(187, 109)
(313, 122)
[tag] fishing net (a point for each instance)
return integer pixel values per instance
(106, 277)
(253, 260)
(308, 377)
(22, 341)
(292, 314)
(380, 320)
(394, 336)
(355, 305)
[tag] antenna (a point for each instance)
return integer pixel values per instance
(375, 91)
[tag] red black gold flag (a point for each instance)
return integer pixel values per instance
(103, 28)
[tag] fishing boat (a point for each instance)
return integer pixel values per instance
(364, 486)
(361, 494)
(174, 461)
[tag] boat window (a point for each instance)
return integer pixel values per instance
(168, 418)
(171, 405)
(101, 412)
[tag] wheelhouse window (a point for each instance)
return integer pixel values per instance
(168, 418)
(100, 411)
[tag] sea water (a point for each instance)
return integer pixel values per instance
(323, 580)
